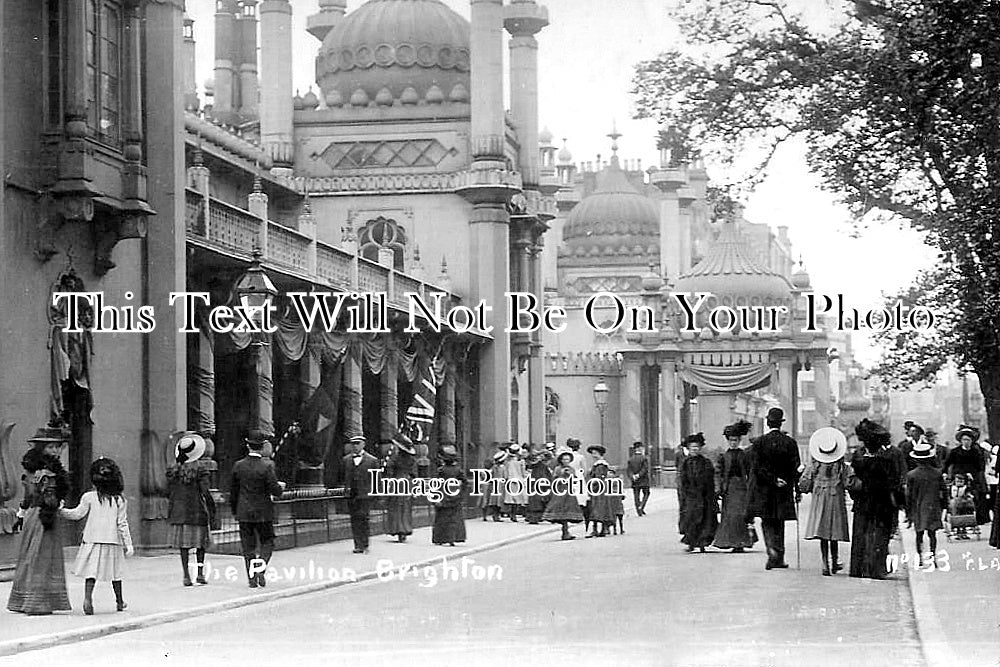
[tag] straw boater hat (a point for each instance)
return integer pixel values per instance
(404, 443)
(189, 447)
(514, 448)
(600, 449)
(499, 457)
(827, 445)
(922, 450)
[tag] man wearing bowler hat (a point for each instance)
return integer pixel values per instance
(254, 482)
(774, 472)
(357, 480)
(638, 471)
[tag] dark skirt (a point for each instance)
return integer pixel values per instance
(699, 521)
(536, 507)
(40, 578)
(449, 525)
(870, 545)
(188, 536)
(563, 507)
(601, 509)
(399, 516)
(732, 532)
(995, 530)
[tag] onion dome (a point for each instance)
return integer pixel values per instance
(652, 281)
(545, 137)
(616, 220)
(565, 157)
(395, 44)
(800, 279)
(729, 272)
(310, 101)
(298, 104)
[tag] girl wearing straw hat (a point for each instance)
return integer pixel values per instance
(926, 496)
(191, 507)
(827, 477)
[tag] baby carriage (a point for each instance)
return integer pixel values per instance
(960, 517)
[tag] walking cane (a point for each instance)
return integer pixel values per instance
(798, 558)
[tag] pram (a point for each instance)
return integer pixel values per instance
(960, 517)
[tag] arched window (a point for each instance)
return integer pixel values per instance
(383, 233)
(551, 414)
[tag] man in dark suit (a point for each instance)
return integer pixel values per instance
(774, 472)
(357, 481)
(254, 482)
(638, 472)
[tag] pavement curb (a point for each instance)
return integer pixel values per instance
(14, 646)
(933, 641)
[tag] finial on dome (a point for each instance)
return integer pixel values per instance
(614, 136)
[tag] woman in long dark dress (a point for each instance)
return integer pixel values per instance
(449, 522)
(40, 578)
(538, 468)
(732, 472)
(968, 459)
(402, 464)
(875, 482)
(189, 483)
(602, 513)
(995, 528)
(696, 479)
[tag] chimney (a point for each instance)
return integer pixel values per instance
(276, 82)
(225, 83)
(247, 53)
(190, 82)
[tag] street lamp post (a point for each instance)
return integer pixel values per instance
(601, 392)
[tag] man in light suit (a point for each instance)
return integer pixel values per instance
(357, 481)
(774, 473)
(254, 483)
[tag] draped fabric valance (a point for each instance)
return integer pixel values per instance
(746, 377)
(292, 341)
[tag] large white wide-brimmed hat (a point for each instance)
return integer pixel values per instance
(192, 445)
(827, 445)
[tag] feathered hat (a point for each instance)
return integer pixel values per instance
(737, 430)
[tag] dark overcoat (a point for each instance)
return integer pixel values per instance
(774, 456)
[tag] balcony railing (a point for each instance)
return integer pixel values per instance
(229, 228)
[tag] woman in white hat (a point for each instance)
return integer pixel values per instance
(191, 507)
(827, 477)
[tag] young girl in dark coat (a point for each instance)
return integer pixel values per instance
(926, 497)
(563, 507)
(189, 483)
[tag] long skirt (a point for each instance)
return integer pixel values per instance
(870, 545)
(700, 521)
(40, 577)
(189, 536)
(601, 509)
(995, 530)
(828, 516)
(732, 532)
(536, 507)
(399, 516)
(449, 525)
(562, 507)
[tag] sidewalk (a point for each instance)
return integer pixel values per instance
(956, 605)
(155, 594)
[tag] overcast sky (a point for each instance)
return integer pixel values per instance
(586, 60)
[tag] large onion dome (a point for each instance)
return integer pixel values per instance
(386, 47)
(615, 222)
(729, 272)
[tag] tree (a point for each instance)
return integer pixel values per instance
(899, 107)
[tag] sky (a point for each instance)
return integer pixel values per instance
(587, 56)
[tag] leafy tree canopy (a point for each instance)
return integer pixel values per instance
(899, 106)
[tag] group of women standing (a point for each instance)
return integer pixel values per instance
(701, 485)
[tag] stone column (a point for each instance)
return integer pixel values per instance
(447, 434)
(786, 392)
(225, 25)
(352, 397)
(190, 77)
(389, 378)
(669, 407)
(630, 408)
(246, 28)
(164, 349)
(536, 362)
(714, 414)
(824, 405)
(276, 84)
(201, 384)
(263, 377)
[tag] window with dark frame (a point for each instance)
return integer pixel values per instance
(53, 63)
(103, 79)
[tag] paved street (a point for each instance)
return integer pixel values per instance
(636, 599)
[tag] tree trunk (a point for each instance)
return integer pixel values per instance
(989, 384)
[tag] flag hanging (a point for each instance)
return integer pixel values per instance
(420, 415)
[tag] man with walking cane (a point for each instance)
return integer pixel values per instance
(774, 473)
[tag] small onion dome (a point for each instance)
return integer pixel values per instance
(652, 281)
(459, 94)
(565, 157)
(334, 99)
(384, 98)
(310, 101)
(854, 403)
(615, 221)
(359, 98)
(409, 96)
(434, 95)
(545, 137)
(210, 86)
(395, 44)
(729, 272)
(800, 279)
(298, 103)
